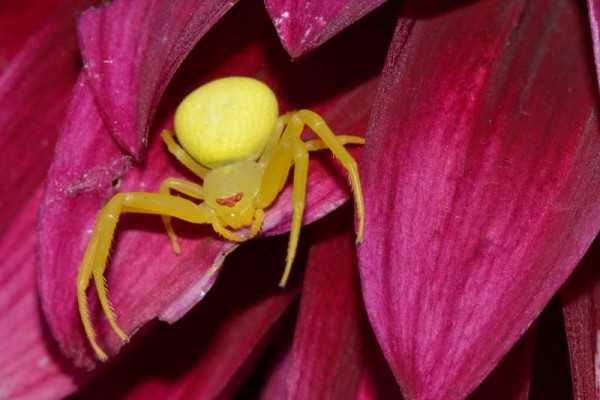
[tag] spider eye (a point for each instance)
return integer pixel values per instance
(226, 120)
(230, 201)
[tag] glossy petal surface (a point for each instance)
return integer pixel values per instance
(131, 50)
(305, 25)
(481, 196)
(145, 278)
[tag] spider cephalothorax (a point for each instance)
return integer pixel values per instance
(232, 138)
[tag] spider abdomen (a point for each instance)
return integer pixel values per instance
(227, 120)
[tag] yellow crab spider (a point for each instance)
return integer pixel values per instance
(232, 137)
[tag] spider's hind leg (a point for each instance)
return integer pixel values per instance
(318, 144)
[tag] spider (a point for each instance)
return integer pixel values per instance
(232, 137)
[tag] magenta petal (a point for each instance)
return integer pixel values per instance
(131, 50)
(34, 92)
(594, 17)
(31, 366)
(305, 25)
(20, 18)
(580, 297)
(229, 355)
(328, 345)
(275, 386)
(32, 107)
(481, 185)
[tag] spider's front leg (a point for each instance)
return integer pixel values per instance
(96, 254)
(292, 150)
(335, 143)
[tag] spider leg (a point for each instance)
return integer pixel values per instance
(281, 122)
(182, 155)
(300, 151)
(259, 217)
(96, 254)
(291, 149)
(188, 188)
(319, 126)
(318, 144)
(300, 156)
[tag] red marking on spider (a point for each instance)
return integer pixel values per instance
(230, 201)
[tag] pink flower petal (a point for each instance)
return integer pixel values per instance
(304, 25)
(481, 186)
(31, 366)
(594, 16)
(34, 92)
(145, 278)
(275, 385)
(581, 307)
(328, 351)
(19, 19)
(209, 352)
(131, 50)
(32, 107)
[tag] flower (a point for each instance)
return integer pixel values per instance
(481, 198)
